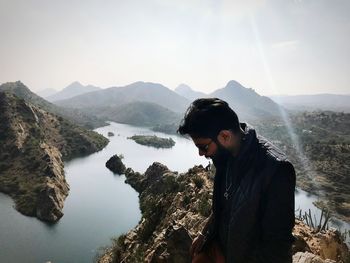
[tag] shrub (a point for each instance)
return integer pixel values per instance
(204, 205)
(186, 200)
(198, 181)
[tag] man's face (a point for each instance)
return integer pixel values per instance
(211, 149)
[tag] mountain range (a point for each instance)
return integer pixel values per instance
(20, 90)
(138, 91)
(111, 103)
(248, 104)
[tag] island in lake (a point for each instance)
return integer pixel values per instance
(153, 141)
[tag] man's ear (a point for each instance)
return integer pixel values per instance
(224, 137)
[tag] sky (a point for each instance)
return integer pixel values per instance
(284, 47)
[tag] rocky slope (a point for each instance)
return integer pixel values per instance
(174, 208)
(33, 145)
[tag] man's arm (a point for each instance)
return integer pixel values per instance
(278, 217)
(199, 242)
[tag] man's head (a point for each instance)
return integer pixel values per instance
(213, 126)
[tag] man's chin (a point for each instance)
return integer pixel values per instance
(219, 160)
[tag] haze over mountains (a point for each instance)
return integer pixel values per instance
(138, 113)
(152, 104)
(331, 102)
(20, 90)
(72, 90)
(107, 103)
(248, 104)
(138, 91)
(46, 92)
(186, 91)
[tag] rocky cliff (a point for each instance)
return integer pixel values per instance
(175, 207)
(33, 145)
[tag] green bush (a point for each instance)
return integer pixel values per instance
(205, 205)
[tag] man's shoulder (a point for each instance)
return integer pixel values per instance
(278, 168)
(272, 151)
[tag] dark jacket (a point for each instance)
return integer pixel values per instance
(259, 215)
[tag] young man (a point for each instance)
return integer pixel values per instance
(253, 197)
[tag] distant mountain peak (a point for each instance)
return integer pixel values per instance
(187, 92)
(183, 87)
(74, 85)
(234, 84)
(248, 104)
(72, 90)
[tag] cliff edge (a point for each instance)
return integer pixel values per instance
(33, 145)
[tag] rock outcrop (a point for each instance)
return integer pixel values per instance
(33, 145)
(116, 165)
(175, 207)
(325, 244)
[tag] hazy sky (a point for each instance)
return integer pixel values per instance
(275, 47)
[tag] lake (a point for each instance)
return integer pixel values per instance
(99, 205)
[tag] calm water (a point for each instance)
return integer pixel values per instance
(99, 206)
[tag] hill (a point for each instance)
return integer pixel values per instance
(20, 90)
(138, 113)
(72, 90)
(330, 102)
(186, 91)
(138, 91)
(249, 105)
(33, 145)
(46, 92)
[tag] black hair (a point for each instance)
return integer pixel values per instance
(206, 117)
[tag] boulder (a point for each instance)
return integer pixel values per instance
(307, 257)
(116, 165)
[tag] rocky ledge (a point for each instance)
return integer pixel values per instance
(175, 207)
